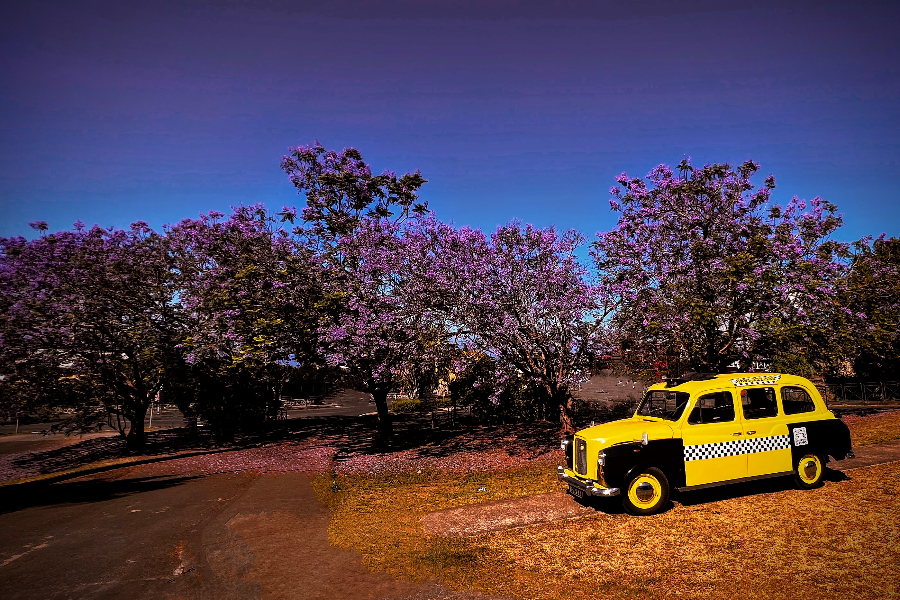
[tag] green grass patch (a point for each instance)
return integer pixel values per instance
(405, 405)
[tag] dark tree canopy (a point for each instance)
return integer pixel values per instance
(252, 299)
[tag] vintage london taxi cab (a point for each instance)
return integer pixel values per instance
(703, 431)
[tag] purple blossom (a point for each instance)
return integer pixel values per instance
(701, 264)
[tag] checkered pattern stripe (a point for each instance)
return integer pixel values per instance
(766, 444)
(736, 447)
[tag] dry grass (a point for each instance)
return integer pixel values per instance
(840, 541)
(874, 429)
(381, 517)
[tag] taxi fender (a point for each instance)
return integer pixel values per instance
(628, 460)
(824, 437)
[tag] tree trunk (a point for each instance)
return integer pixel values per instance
(224, 426)
(566, 410)
(385, 426)
(136, 437)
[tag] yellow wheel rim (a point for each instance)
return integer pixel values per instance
(645, 491)
(809, 468)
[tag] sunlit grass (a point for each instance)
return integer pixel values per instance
(381, 517)
(840, 541)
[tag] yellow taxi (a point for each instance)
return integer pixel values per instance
(703, 431)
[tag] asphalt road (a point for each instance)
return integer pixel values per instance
(225, 536)
(169, 418)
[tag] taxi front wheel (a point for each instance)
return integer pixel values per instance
(647, 493)
(809, 471)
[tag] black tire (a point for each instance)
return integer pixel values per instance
(647, 493)
(809, 471)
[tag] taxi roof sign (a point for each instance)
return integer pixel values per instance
(756, 380)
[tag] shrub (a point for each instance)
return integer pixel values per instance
(406, 405)
(443, 402)
(477, 387)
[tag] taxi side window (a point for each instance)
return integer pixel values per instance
(795, 401)
(759, 403)
(717, 407)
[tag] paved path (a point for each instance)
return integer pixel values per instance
(476, 519)
(127, 534)
(867, 456)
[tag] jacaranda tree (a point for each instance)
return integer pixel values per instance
(706, 271)
(341, 192)
(389, 328)
(868, 328)
(522, 298)
(252, 299)
(355, 222)
(89, 322)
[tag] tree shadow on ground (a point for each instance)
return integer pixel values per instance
(350, 435)
(357, 435)
(42, 493)
(106, 448)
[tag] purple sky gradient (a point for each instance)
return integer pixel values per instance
(112, 112)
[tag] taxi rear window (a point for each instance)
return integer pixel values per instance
(663, 404)
(796, 400)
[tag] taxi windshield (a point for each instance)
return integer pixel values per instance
(663, 404)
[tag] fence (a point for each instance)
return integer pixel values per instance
(870, 393)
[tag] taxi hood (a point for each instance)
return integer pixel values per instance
(627, 430)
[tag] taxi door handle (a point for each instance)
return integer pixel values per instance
(750, 432)
(738, 433)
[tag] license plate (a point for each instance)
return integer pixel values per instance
(575, 491)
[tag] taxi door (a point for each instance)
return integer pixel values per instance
(765, 429)
(712, 437)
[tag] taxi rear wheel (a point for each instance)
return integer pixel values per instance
(809, 472)
(647, 493)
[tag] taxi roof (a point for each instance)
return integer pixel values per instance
(730, 381)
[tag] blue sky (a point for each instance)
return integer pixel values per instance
(111, 113)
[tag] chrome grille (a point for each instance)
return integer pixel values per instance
(580, 457)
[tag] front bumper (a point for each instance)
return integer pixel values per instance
(587, 487)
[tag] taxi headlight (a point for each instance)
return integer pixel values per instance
(601, 461)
